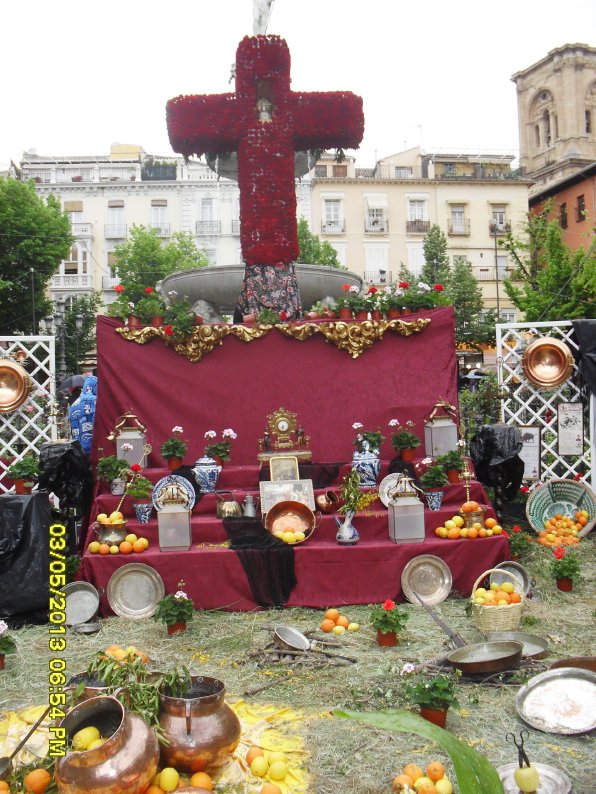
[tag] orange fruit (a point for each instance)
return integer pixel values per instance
(426, 788)
(125, 547)
(327, 625)
(4, 785)
(270, 788)
(398, 782)
(138, 545)
(342, 621)
(332, 614)
(413, 771)
(482, 532)
(253, 752)
(202, 780)
(435, 770)
(153, 789)
(469, 507)
(489, 523)
(453, 534)
(472, 533)
(515, 598)
(104, 549)
(37, 781)
(438, 531)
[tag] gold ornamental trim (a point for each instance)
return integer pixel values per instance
(353, 337)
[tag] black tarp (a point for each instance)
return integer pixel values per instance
(585, 335)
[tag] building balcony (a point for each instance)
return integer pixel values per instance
(109, 282)
(71, 281)
(461, 228)
(417, 227)
(235, 227)
(115, 231)
(497, 229)
(208, 228)
(158, 173)
(82, 229)
(489, 273)
(378, 277)
(376, 226)
(333, 227)
(162, 229)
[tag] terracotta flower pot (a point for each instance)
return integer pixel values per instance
(565, 584)
(1, 661)
(408, 455)
(361, 315)
(21, 488)
(452, 476)
(218, 459)
(199, 319)
(177, 628)
(393, 314)
(134, 322)
(376, 315)
(329, 315)
(436, 716)
(156, 322)
(386, 640)
(345, 313)
(174, 462)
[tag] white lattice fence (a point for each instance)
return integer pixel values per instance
(526, 404)
(27, 428)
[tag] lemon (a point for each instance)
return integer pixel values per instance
(422, 781)
(278, 770)
(450, 524)
(338, 630)
(145, 542)
(300, 536)
(507, 587)
(93, 547)
(259, 766)
(458, 521)
(443, 786)
(83, 738)
(116, 516)
(480, 591)
(101, 518)
(95, 743)
(288, 537)
(114, 550)
(277, 756)
(353, 626)
(168, 779)
(132, 538)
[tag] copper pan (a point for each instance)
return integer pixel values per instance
(15, 385)
(547, 362)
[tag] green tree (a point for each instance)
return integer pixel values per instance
(405, 275)
(142, 260)
(556, 283)
(35, 236)
(313, 251)
(473, 324)
(436, 268)
(78, 342)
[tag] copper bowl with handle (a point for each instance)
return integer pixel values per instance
(547, 362)
(295, 517)
(15, 385)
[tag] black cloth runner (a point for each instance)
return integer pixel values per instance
(267, 561)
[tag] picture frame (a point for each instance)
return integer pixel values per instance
(283, 467)
(531, 436)
(286, 490)
(570, 428)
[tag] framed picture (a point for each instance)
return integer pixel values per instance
(283, 467)
(284, 491)
(570, 427)
(530, 452)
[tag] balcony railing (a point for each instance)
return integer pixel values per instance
(417, 227)
(158, 173)
(109, 282)
(488, 273)
(376, 226)
(115, 231)
(333, 227)
(209, 228)
(71, 281)
(82, 229)
(235, 227)
(162, 229)
(496, 229)
(461, 227)
(378, 277)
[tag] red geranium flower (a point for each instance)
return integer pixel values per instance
(148, 290)
(524, 488)
(118, 288)
(403, 285)
(389, 604)
(135, 467)
(283, 316)
(438, 288)
(516, 528)
(372, 290)
(559, 553)
(345, 287)
(168, 330)
(577, 477)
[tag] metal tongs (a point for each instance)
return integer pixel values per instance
(522, 757)
(456, 639)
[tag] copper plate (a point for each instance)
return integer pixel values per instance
(552, 781)
(547, 362)
(290, 515)
(15, 385)
(429, 576)
(134, 590)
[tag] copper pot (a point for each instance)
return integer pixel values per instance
(126, 761)
(327, 502)
(547, 362)
(202, 730)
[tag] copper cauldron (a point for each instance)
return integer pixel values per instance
(126, 761)
(202, 730)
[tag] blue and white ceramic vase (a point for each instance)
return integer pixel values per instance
(434, 499)
(206, 473)
(368, 464)
(143, 511)
(347, 534)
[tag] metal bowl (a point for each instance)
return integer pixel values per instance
(510, 566)
(15, 385)
(547, 362)
(486, 657)
(296, 515)
(534, 647)
(82, 602)
(290, 639)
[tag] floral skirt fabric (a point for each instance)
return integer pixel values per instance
(269, 287)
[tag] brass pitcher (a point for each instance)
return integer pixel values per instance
(227, 508)
(201, 729)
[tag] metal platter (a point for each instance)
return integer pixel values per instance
(559, 701)
(534, 647)
(82, 602)
(293, 516)
(386, 488)
(547, 362)
(552, 781)
(517, 570)
(429, 576)
(15, 385)
(134, 590)
(173, 482)
(585, 662)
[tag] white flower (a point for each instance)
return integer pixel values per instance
(180, 594)
(407, 668)
(399, 293)
(409, 423)
(359, 437)
(177, 429)
(3, 626)
(393, 423)
(357, 425)
(229, 433)
(172, 293)
(210, 434)
(126, 447)
(354, 290)
(423, 287)
(131, 305)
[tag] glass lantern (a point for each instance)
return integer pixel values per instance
(406, 513)
(130, 438)
(440, 431)
(173, 520)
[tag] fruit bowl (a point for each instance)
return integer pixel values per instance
(291, 522)
(561, 496)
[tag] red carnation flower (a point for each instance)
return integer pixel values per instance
(135, 467)
(516, 528)
(389, 604)
(345, 287)
(148, 290)
(372, 290)
(403, 285)
(559, 553)
(524, 488)
(118, 288)
(168, 330)
(438, 288)
(283, 316)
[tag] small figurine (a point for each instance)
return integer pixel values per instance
(266, 441)
(300, 439)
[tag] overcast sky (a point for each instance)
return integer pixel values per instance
(79, 76)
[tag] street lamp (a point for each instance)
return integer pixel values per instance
(56, 326)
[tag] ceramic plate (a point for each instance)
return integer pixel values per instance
(161, 487)
(552, 781)
(134, 590)
(559, 701)
(386, 488)
(429, 576)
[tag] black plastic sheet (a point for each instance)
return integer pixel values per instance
(585, 334)
(495, 453)
(65, 471)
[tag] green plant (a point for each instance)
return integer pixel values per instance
(351, 495)
(180, 316)
(434, 477)
(565, 564)
(7, 644)
(175, 608)
(27, 468)
(220, 449)
(174, 447)
(452, 460)
(176, 682)
(120, 308)
(150, 306)
(403, 438)
(437, 692)
(73, 563)
(111, 468)
(317, 308)
(372, 439)
(271, 317)
(387, 617)
(139, 488)
(519, 541)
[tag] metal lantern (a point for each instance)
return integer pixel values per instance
(406, 513)
(440, 431)
(173, 520)
(131, 441)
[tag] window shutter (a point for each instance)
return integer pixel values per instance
(116, 203)
(73, 206)
(159, 202)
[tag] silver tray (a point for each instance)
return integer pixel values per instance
(535, 647)
(559, 701)
(82, 602)
(429, 576)
(134, 590)
(386, 488)
(517, 570)
(552, 781)
(173, 479)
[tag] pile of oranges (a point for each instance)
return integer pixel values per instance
(499, 595)
(337, 623)
(413, 779)
(129, 545)
(120, 654)
(454, 529)
(563, 530)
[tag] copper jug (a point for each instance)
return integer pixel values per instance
(202, 730)
(126, 761)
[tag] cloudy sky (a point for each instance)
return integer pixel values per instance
(79, 76)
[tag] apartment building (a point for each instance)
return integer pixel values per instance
(377, 218)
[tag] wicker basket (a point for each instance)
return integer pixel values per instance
(504, 618)
(561, 496)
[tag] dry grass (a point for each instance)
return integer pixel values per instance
(345, 756)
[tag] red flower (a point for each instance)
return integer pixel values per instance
(403, 285)
(577, 477)
(524, 488)
(438, 288)
(559, 553)
(505, 534)
(516, 528)
(372, 290)
(345, 287)
(389, 604)
(135, 467)
(148, 290)
(168, 330)
(283, 316)
(118, 288)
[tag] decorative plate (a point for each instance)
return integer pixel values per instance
(82, 602)
(161, 487)
(429, 576)
(386, 488)
(552, 781)
(559, 701)
(134, 590)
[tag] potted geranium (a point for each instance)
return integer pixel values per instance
(388, 621)
(367, 439)
(316, 311)
(24, 472)
(111, 469)
(271, 317)
(181, 318)
(174, 448)
(519, 541)
(374, 303)
(432, 482)
(140, 489)
(175, 610)
(403, 440)
(391, 300)
(151, 309)
(452, 463)
(7, 644)
(565, 568)
(220, 450)
(434, 696)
